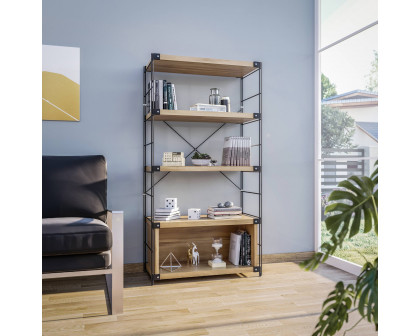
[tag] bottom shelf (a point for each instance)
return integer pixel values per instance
(203, 269)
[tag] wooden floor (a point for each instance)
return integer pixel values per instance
(284, 301)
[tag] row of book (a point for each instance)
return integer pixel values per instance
(240, 248)
(162, 95)
(237, 151)
(224, 213)
(167, 214)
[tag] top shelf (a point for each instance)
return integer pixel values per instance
(202, 66)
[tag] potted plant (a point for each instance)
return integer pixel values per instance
(348, 208)
(199, 159)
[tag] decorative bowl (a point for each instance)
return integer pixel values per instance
(201, 162)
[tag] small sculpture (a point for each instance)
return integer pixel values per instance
(217, 261)
(227, 204)
(195, 255)
(194, 213)
(172, 265)
(190, 256)
(171, 203)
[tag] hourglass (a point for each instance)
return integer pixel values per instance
(217, 257)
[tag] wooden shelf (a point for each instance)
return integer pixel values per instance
(205, 169)
(204, 221)
(198, 116)
(202, 66)
(203, 269)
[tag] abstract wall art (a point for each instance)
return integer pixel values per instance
(60, 83)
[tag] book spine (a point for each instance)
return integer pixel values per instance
(174, 97)
(245, 247)
(165, 95)
(248, 259)
(160, 94)
(170, 101)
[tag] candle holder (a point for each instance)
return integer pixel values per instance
(217, 261)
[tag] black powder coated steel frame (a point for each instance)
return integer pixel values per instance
(150, 192)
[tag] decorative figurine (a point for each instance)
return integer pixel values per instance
(227, 204)
(171, 203)
(190, 256)
(195, 255)
(194, 213)
(171, 267)
(217, 261)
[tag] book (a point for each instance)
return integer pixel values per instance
(160, 94)
(166, 218)
(225, 217)
(234, 248)
(208, 108)
(175, 105)
(248, 251)
(224, 213)
(167, 210)
(163, 214)
(169, 93)
(216, 209)
(236, 151)
(165, 95)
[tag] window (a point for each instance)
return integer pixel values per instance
(347, 108)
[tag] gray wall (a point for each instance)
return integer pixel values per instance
(116, 39)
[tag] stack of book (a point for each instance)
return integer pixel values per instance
(240, 248)
(237, 151)
(176, 159)
(162, 95)
(167, 214)
(224, 213)
(208, 108)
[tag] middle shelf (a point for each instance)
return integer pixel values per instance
(203, 168)
(204, 221)
(200, 116)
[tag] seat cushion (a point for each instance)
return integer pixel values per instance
(74, 186)
(76, 262)
(74, 235)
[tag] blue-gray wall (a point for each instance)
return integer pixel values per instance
(116, 38)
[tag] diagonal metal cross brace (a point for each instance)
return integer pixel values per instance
(230, 180)
(157, 182)
(195, 148)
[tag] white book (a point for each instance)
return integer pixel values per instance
(167, 210)
(227, 148)
(166, 218)
(174, 97)
(234, 248)
(161, 94)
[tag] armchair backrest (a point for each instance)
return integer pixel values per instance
(74, 186)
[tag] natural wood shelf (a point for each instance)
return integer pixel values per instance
(205, 168)
(199, 116)
(203, 269)
(204, 221)
(202, 66)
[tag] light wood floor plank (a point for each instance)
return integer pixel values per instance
(284, 301)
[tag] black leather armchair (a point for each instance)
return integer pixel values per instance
(80, 237)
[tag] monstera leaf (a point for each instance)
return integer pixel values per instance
(367, 292)
(335, 310)
(349, 206)
(354, 202)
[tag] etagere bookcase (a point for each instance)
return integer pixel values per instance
(160, 238)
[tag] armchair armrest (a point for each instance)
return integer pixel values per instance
(115, 221)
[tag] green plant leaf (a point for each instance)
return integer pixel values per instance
(335, 310)
(367, 291)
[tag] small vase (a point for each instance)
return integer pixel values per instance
(214, 97)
